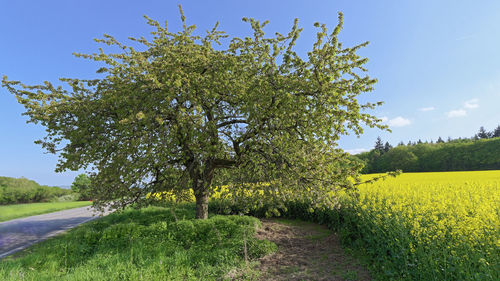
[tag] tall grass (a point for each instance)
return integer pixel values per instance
(145, 244)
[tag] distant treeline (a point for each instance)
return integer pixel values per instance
(22, 190)
(481, 152)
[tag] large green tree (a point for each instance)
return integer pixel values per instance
(182, 110)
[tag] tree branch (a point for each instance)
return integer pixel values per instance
(230, 122)
(224, 163)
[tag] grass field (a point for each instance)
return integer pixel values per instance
(9, 212)
(431, 226)
(145, 244)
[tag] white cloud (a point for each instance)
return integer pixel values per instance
(430, 108)
(473, 103)
(384, 119)
(356, 150)
(470, 104)
(457, 113)
(398, 122)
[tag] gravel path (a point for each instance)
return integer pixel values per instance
(18, 234)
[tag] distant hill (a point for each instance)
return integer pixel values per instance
(23, 190)
(456, 155)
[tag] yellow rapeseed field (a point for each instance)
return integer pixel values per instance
(465, 205)
(445, 223)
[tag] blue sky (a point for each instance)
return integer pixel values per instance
(437, 62)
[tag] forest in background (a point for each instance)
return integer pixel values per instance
(480, 152)
(23, 190)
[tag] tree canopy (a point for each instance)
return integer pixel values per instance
(82, 186)
(185, 111)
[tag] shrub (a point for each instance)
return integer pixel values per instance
(22, 190)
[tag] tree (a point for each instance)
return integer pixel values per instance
(82, 185)
(179, 114)
(496, 132)
(400, 158)
(387, 146)
(482, 134)
(440, 140)
(379, 145)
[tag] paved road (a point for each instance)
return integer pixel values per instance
(19, 234)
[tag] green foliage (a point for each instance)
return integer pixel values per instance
(82, 186)
(496, 133)
(67, 198)
(176, 112)
(458, 155)
(483, 134)
(145, 244)
(379, 145)
(22, 190)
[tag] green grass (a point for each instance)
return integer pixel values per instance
(9, 212)
(321, 231)
(145, 244)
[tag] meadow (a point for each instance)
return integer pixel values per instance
(145, 244)
(9, 212)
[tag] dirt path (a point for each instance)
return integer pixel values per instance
(306, 251)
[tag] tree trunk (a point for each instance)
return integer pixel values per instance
(201, 187)
(202, 204)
